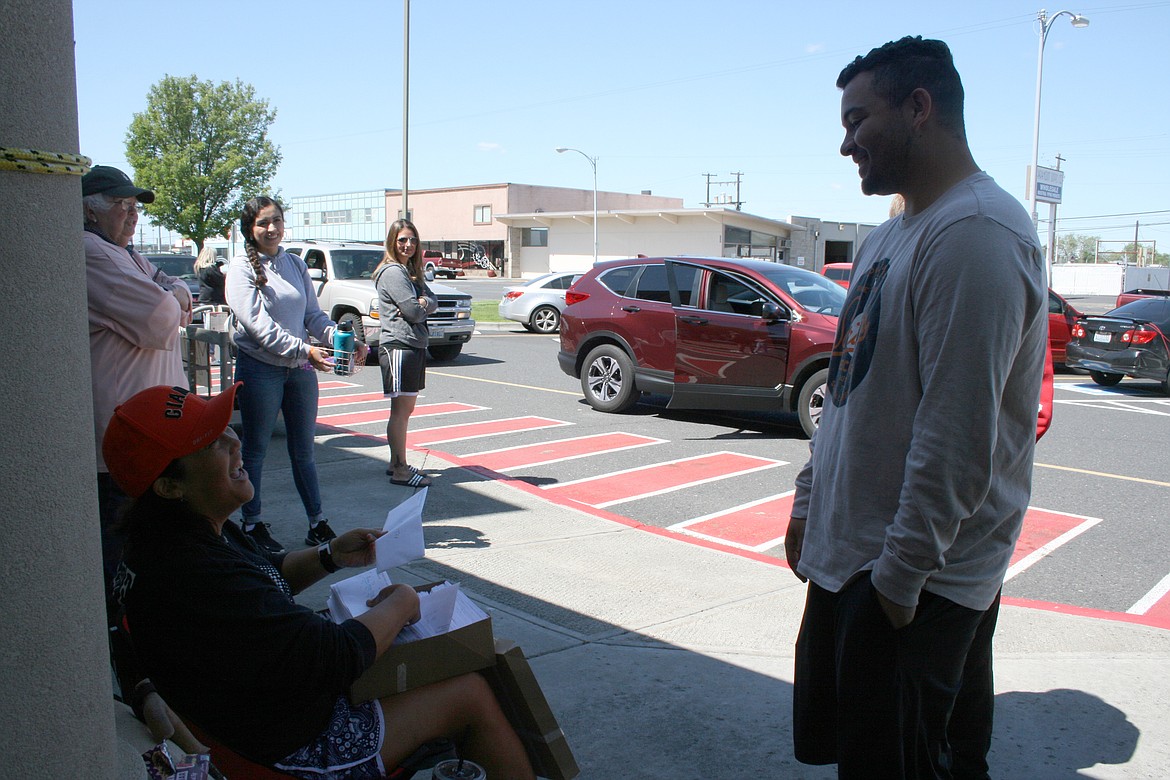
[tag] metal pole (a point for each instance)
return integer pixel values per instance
(594, 162)
(1045, 25)
(1036, 125)
(405, 107)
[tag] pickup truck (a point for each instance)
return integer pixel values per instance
(342, 272)
(1129, 296)
(449, 267)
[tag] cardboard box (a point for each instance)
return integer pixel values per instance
(424, 661)
(523, 702)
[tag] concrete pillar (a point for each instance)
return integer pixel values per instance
(56, 709)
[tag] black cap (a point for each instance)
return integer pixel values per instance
(112, 182)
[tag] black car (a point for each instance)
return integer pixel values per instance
(1128, 341)
(181, 266)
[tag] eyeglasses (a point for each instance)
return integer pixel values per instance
(408, 240)
(126, 205)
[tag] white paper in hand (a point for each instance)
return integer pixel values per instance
(403, 541)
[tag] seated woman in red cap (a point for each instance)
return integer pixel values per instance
(215, 624)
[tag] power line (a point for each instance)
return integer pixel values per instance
(1111, 227)
(1109, 216)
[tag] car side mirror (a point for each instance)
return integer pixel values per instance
(773, 312)
(316, 274)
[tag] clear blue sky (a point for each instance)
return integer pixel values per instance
(661, 91)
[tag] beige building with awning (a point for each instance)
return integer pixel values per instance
(544, 241)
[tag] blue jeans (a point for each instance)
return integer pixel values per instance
(267, 391)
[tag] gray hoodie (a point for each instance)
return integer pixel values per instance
(404, 321)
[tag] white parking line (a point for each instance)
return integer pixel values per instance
(1150, 599)
(1137, 405)
(1045, 550)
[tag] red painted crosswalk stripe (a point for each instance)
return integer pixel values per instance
(1043, 532)
(758, 525)
(379, 415)
(445, 433)
(351, 398)
(335, 384)
(526, 456)
(658, 478)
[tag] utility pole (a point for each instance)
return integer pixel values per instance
(1135, 243)
(1052, 224)
(738, 203)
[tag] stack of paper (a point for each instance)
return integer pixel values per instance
(347, 599)
(443, 608)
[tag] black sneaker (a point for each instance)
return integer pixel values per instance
(260, 535)
(319, 533)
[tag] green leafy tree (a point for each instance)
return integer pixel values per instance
(204, 150)
(1075, 248)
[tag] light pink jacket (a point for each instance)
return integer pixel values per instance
(135, 312)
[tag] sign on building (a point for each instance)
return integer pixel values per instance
(1049, 184)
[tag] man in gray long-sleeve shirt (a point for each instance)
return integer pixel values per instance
(906, 515)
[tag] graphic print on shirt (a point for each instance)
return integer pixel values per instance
(857, 333)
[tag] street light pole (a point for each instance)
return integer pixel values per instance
(593, 162)
(406, 110)
(1045, 25)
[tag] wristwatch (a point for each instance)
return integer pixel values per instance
(325, 555)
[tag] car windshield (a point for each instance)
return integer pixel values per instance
(356, 263)
(812, 291)
(181, 266)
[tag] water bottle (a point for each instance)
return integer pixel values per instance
(343, 345)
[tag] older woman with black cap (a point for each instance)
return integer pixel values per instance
(135, 312)
(215, 623)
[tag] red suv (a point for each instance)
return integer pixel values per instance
(711, 333)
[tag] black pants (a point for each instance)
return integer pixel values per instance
(917, 702)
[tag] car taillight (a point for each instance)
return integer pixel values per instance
(575, 297)
(1138, 336)
(513, 295)
(1078, 331)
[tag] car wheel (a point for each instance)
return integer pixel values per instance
(1104, 379)
(812, 400)
(546, 319)
(445, 352)
(359, 332)
(607, 379)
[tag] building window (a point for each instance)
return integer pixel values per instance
(334, 217)
(369, 215)
(534, 237)
(483, 215)
(306, 218)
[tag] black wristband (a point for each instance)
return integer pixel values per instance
(325, 555)
(138, 696)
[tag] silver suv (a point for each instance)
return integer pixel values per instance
(342, 271)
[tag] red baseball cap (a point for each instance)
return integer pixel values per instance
(159, 425)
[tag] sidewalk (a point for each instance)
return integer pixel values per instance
(665, 659)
